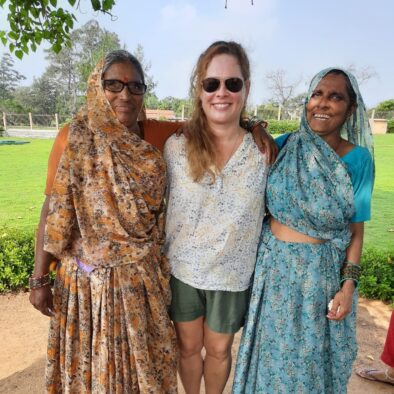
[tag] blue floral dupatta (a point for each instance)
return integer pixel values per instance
(310, 189)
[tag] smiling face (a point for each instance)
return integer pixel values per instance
(223, 106)
(127, 106)
(329, 106)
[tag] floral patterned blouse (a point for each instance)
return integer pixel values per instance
(212, 229)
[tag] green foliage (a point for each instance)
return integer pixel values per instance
(390, 126)
(282, 126)
(174, 104)
(146, 66)
(16, 258)
(89, 44)
(377, 278)
(9, 78)
(387, 105)
(13, 105)
(31, 22)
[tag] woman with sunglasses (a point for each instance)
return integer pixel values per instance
(216, 183)
(102, 221)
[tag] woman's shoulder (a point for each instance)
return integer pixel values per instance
(175, 145)
(282, 139)
(358, 155)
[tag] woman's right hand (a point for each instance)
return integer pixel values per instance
(42, 300)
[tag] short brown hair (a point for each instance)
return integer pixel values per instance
(199, 141)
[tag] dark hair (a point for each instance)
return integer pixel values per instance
(122, 56)
(349, 88)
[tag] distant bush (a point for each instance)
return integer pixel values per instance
(282, 126)
(16, 258)
(390, 126)
(377, 277)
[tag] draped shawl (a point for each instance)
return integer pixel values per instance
(106, 202)
(309, 188)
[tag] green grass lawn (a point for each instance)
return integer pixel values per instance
(23, 171)
(379, 231)
(22, 181)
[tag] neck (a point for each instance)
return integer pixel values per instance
(227, 140)
(223, 133)
(334, 140)
(135, 128)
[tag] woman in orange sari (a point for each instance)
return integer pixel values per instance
(103, 221)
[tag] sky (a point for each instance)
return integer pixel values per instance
(299, 36)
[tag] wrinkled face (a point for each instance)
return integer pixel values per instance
(223, 106)
(127, 106)
(329, 106)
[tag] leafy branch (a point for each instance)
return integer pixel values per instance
(33, 21)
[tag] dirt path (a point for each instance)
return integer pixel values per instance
(23, 333)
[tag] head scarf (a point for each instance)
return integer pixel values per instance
(106, 202)
(356, 129)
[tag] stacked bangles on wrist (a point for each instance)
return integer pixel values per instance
(39, 281)
(350, 271)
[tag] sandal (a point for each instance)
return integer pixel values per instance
(369, 374)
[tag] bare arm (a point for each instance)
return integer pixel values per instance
(41, 298)
(343, 298)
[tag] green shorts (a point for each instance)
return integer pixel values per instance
(224, 311)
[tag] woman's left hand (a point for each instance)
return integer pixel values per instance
(265, 143)
(342, 302)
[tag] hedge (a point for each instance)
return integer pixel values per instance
(390, 126)
(282, 126)
(377, 278)
(17, 259)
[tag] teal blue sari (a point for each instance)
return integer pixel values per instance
(288, 344)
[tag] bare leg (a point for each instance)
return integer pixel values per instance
(190, 339)
(217, 364)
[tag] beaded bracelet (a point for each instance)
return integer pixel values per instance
(350, 271)
(41, 281)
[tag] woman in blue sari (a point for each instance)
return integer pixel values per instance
(300, 332)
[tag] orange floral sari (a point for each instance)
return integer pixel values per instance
(111, 332)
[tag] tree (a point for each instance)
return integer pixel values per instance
(71, 67)
(385, 106)
(31, 22)
(9, 78)
(283, 91)
(146, 66)
(42, 96)
(92, 43)
(363, 74)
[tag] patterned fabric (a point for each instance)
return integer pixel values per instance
(288, 344)
(212, 229)
(111, 332)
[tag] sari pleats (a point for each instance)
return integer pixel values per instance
(117, 337)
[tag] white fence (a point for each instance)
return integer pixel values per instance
(31, 121)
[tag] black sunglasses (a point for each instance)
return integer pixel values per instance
(233, 85)
(116, 86)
